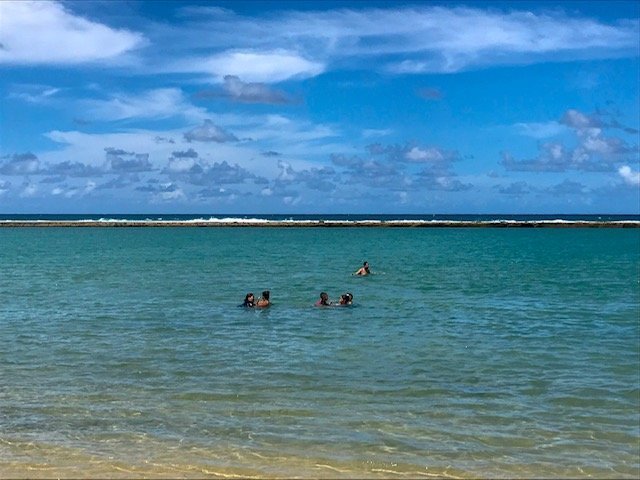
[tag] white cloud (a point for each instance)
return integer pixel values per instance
(253, 66)
(159, 103)
(541, 130)
(431, 154)
(408, 39)
(374, 133)
(209, 132)
(4, 187)
(29, 190)
(180, 165)
(44, 32)
(629, 176)
(170, 192)
(302, 144)
(36, 94)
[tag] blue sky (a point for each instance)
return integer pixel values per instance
(319, 107)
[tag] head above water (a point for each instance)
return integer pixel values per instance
(265, 295)
(324, 299)
(346, 298)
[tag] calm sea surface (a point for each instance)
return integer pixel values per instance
(478, 352)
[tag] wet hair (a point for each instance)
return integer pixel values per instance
(265, 294)
(324, 298)
(247, 302)
(346, 298)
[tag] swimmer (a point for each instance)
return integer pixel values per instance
(248, 300)
(363, 270)
(346, 299)
(324, 300)
(263, 301)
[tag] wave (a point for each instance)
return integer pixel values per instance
(319, 221)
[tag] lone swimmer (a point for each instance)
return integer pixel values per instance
(363, 270)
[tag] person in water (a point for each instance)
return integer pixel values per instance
(249, 300)
(263, 301)
(346, 299)
(364, 269)
(324, 300)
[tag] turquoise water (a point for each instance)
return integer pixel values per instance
(470, 353)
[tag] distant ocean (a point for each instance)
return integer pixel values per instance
(481, 352)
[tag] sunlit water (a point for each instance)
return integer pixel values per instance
(469, 353)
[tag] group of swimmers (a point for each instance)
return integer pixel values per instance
(345, 298)
(262, 302)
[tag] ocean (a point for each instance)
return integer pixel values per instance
(469, 352)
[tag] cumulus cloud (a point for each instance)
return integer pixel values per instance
(160, 139)
(568, 187)
(73, 169)
(39, 32)
(447, 183)
(163, 192)
(4, 187)
(189, 169)
(394, 167)
(121, 161)
(429, 155)
(595, 150)
(320, 179)
(630, 177)
(514, 188)
(19, 164)
(208, 132)
(271, 153)
(29, 189)
(220, 193)
(370, 172)
(121, 181)
(182, 162)
(541, 130)
(191, 153)
(552, 157)
(236, 90)
(73, 191)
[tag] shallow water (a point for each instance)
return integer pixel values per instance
(469, 353)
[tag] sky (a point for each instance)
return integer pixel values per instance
(319, 107)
